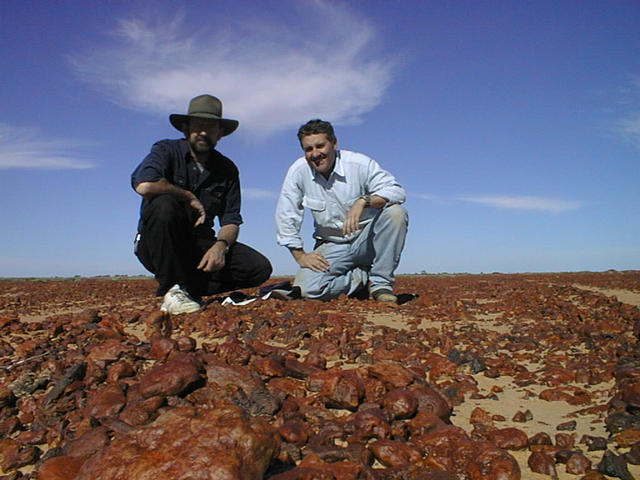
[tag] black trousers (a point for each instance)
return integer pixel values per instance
(171, 248)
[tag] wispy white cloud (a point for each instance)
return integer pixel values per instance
(525, 203)
(270, 74)
(629, 126)
(22, 148)
(423, 196)
(258, 194)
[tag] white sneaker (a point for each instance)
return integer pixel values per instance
(177, 300)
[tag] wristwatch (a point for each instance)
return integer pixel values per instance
(367, 200)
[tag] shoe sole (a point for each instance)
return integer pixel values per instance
(387, 300)
(385, 297)
(179, 311)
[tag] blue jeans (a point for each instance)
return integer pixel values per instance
(373, 256)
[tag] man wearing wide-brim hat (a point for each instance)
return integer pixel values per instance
(185, 185)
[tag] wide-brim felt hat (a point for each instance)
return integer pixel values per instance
(204, 106)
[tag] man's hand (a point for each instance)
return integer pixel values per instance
(313, 260)
(197, 206)
(352, 222)
(214, 259)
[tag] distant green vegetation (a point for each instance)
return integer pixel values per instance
(77, 278)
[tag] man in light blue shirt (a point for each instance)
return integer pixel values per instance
(360, 226)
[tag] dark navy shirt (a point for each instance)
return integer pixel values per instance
(217, 186)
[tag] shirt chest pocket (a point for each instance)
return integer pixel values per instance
(212, 198)
(315, 204)
(180, 181)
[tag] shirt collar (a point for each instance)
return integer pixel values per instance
(338, 169)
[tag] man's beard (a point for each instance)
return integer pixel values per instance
(202, 145)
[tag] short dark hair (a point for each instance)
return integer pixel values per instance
(313, 127)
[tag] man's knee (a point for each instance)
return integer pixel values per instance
(312, 284)
(263, 271)
(253, 271)
(321, 285)
(396, 215)
(164, 208)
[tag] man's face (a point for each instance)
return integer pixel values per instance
(319, 152)
(203, 134)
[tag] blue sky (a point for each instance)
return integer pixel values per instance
(514, 126)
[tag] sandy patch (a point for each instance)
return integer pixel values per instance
(546, 415)
(624, 296)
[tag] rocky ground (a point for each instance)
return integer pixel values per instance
(474, 377)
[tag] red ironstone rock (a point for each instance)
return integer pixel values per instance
(540, 462)
(424, 422)
(593, 475)
(393, 453)
(368, 423)
(493, 463)
(13, 455)
(160, 347)
(120, 370)
(374, 389)
(509, 438)
(186, 344)
(447, 448)
(294, 431)
(245, 388)
(540, 438)
(60, 468)
(430, 400)
(185, 442)
(268, 367)
(32, 437)
(391, 373)
(565, 440)
(344, 389)
(578, 464)
(480, 415)
(234, 353)
(170, 378)
(400, 404)
(107, 401)
(158, 325)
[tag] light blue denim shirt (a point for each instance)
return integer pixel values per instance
(329, 200)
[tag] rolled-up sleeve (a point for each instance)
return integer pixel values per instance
(154, 166)
(290, 212)
(231, 214)
(382, 183)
